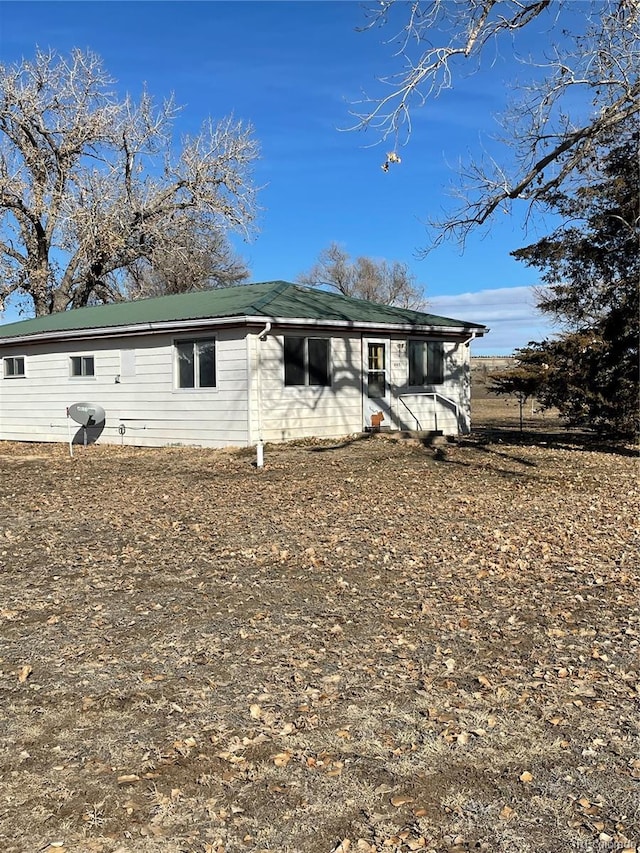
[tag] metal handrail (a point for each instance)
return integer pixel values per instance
(436, 395)
(418, 427)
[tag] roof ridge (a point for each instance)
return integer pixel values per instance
(271, 294)
(396, 309)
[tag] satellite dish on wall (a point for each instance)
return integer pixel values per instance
(86, 414)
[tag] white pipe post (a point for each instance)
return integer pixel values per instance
(262, 336)
(69, 430)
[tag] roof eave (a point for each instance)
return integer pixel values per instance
(248, 320)
(426, 328)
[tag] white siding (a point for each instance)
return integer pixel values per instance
(136, 390)
(282, 413)
(449, 410)
(134, 383)
(287, 413)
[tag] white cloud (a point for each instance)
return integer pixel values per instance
(509, 312)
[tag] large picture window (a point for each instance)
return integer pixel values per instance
(306, 361)
(426, 363)
(196, 363)
(82, 365)
(13, 366)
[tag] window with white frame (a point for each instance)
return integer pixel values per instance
(196, 363)
(307, 361)
(426, 363)
(13, 366)
(82, 365)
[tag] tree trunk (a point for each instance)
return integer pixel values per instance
(59, 301)
(39, 290)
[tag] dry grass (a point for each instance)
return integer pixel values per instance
(360, 645)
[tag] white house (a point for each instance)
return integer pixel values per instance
(235, 366)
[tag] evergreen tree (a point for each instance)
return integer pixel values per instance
(591, 266)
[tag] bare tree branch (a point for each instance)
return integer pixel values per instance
(491, 192)
(364, 278)
(80, 187)
(194, 258)
(585, 84)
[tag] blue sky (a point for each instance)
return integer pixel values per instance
(292, 69)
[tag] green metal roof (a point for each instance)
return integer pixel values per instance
(273, 300)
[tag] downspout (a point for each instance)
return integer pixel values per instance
(262, 336)
(471, 337)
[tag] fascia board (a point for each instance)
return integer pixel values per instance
(122, 331)
(364, 326)
(168, 326)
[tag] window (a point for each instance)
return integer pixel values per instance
(196, 363)
(426, 363)
(82, 365)
(13, 366)
(376, 370)
(306, 361)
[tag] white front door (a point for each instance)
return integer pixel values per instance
(376, 386)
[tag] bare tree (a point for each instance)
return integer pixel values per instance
(364, 278)
(89, 183)
(584, 85)
(192, 256)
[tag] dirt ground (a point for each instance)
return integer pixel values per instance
(364, 646)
